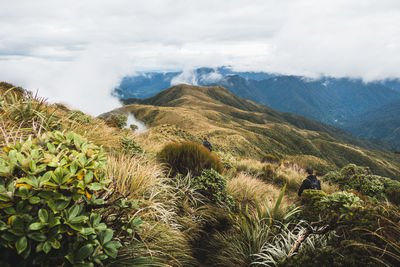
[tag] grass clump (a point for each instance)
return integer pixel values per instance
(253, 227)
(248, 190)
(190, 157)
(23, 113)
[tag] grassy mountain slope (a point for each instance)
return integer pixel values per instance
(330, 100)
(242, 127)
(382, 123)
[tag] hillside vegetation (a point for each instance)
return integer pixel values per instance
(241, 127)
(381, 123)
(334, 101)
(81, 191)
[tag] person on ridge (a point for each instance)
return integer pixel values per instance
(311, 182)
(207, 144)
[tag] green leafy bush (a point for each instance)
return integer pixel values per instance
(213, 185)
(79, 116)
(117, 120)
(46, 198)
(133, 127)
(392, 190)
(189, 157)
(353, 177)
(331, 208)
(341, 204)
(129, 146)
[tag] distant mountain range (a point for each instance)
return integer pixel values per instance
(341, 102)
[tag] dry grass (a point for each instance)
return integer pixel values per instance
(96, 130)
(250, 166)
(133, 177)
(293, 176)
(248, 190)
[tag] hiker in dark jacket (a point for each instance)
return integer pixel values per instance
(207, 144)
(311, 182)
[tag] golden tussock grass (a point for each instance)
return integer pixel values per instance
(248, 190)
(132, 177)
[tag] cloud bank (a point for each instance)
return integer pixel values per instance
(76, 52)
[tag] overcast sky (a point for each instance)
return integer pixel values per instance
(76, 51)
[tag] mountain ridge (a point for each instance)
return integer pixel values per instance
(330, 100)
(254, 129)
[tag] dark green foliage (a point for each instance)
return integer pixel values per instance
(213, 185)
(133, 127)
(79, 116)
(330, 256)
(363, 233)
(267, 172)
(311, 199)
(130, 147)
(189, 157)
(116, 120)
(392, 189)
(268, 158)
(358, 178)
(46, 190)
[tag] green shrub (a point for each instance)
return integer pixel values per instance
(189, 157)
(116, 120)
(133, 127)
(392, 190)
(280, 180)
(311, 199)
(330, 256)
(353, 177)
(79, 116)
(130, 147)
(341, 204)
(267, 172)
(268, 158)
(46, 198)
(213, 185)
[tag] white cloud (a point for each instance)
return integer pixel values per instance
(77, 51)
(142, 128)
(187, 77)
(211, 77)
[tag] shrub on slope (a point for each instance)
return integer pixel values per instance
(189, 157)
(358, 178)
(46, 202)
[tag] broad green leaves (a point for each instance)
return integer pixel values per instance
(41, 182)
